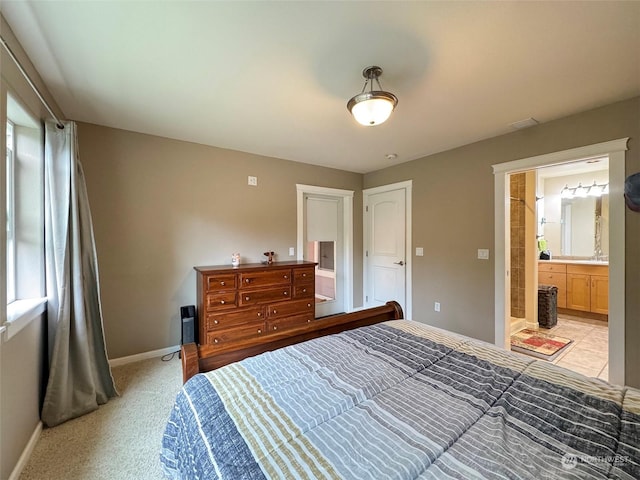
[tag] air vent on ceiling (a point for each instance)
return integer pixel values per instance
(526, 123)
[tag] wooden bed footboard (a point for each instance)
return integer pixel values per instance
(196, 359)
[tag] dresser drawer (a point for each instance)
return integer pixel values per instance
(552, 267)
(295, 307)
(304, 275)
(223, 338)
(220, 300)
(288, 323)
(218, 282)
(266, 295)
(302, 291)
(265, 278)
(221, 321)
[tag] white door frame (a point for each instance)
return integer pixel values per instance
(407, 186)
(615, 149)
(347, 232)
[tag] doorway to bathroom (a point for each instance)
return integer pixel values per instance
(560, 216)
(615, 152)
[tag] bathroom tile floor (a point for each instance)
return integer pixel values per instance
(588, 354)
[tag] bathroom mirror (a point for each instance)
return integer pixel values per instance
(585, 227)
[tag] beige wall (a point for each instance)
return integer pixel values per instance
(21, 357)
(161, 207)
(453, 216)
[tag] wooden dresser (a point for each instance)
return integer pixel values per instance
(253, 303)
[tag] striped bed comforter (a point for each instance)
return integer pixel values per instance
(400, 400)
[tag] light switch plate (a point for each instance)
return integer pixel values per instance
(419, 252)
(483, 253)
(292, 251)
(253, 181)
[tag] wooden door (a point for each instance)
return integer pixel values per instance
(579, 291)
(600, 294)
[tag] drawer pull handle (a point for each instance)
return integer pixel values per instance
(308, 320)
(216, 322)
(285, 293)
(286, 276)
(215, 340)
(275, 311)
(222, 283)
(309, 305)
(246, 298)
(259, 314)
(304, 290)
(222, 302)
(275, 327)
(247, 280)
(259, 331)
(304, 274)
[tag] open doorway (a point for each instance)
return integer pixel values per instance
(325, 236)
(615, 151)
(559, 217)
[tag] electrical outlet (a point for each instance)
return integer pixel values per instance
(292, 251)
(253, 181)
(419, 252)
(436, 306)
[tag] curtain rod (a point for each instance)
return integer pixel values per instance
(31, 84)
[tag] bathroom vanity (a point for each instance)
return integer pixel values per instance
(583, 285)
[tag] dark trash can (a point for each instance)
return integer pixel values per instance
(547, 305)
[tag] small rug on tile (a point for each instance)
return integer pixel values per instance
(539, 344)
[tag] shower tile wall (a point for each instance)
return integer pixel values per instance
(517, 210)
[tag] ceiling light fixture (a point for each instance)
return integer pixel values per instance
(372, 107)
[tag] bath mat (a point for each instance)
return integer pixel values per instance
(539, 344)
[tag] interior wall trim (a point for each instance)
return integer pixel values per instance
(26, 453)
(347, 231)
(116, 362)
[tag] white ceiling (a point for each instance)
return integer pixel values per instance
(273, 78)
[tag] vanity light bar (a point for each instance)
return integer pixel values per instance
(594, 190)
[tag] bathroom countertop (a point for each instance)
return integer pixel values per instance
(576, 262)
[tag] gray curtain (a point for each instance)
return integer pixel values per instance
(79, 373)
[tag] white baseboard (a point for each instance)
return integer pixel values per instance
(26, 453)
(116, 362)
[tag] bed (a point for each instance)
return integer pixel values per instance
(400, 400)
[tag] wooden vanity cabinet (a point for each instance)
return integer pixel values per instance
(554, 274)
(246, 305)
(600, 294)
(588, 288)
(581, 287)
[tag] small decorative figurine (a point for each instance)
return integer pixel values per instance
(235, 259)
(269, 257)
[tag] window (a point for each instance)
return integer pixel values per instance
(11, 220)
(25, 284)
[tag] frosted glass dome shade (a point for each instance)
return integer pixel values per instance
(372, 108)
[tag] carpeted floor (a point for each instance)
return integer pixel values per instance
(122, 439)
